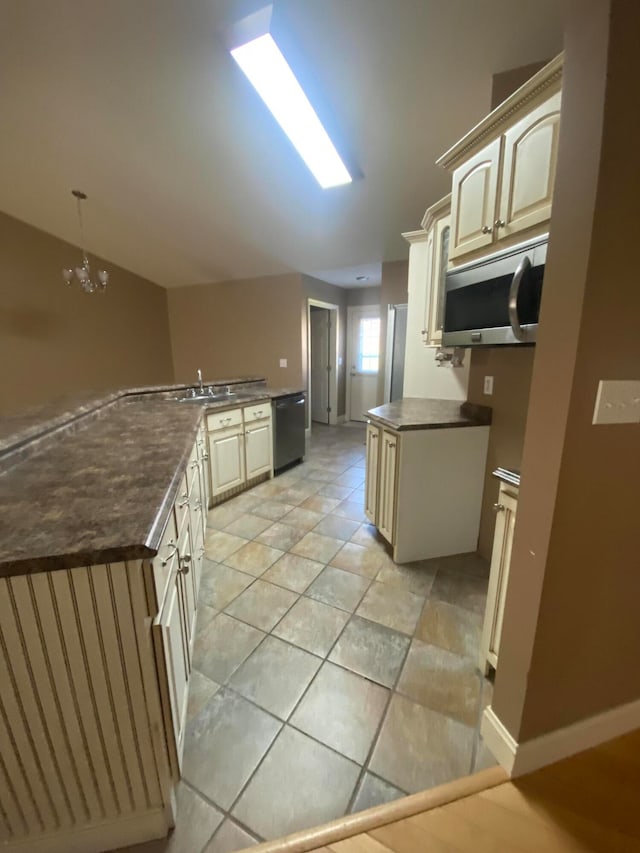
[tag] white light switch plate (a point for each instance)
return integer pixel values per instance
(617, 402)
(488, 384)
(283, 362)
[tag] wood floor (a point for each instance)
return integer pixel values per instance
(589, 802)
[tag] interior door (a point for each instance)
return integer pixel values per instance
(320, 363)
(363, 348)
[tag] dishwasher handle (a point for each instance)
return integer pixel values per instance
(285, 405)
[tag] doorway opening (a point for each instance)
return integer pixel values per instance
(322, 340)
(363, 357)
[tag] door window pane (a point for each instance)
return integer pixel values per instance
(369, 345)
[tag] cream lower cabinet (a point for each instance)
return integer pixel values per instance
(387, 477)
(94, 665)
(240, 446)
(372, 456)
(423, 488)
(258, 440)
(505, 508)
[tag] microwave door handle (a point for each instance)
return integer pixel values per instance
(523, 268)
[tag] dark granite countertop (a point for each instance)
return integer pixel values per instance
(95, 483)
(40, 420)
(413, 413)
(97, 494)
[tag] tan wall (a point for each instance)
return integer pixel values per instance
(511, 369)
(363, 295)
(56, 340)
(506, 82)
(238, 328)
(578, 539)
(393, 291)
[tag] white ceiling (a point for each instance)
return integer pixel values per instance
(189, 180)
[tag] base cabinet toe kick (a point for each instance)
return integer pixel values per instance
(95, 664)
(423, 488)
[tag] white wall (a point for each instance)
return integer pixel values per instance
(422, 376)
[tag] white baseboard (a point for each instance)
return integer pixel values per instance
(95, 838)
(520, 758)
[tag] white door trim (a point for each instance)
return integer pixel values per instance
(351, 310)
(333, 352)
(520, 758)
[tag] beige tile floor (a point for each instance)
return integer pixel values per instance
(327, 679)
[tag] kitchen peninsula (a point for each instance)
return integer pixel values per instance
(102, 523)
(425, 465)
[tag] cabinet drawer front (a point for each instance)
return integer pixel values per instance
(164, 560)
(222, 420)
(257, 412)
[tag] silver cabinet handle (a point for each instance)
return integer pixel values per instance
(257, 414)
(184, 501)
(499, 223)
(170, 556)
(498, 507)
(487, 229)
(205, 456)
(523, 268)
(184, 564)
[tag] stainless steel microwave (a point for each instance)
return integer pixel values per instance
(496, 301)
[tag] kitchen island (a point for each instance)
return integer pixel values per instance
(102, 524)
(425, 464)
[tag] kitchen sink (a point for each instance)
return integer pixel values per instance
(188, 397)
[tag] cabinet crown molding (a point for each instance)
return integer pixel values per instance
(544, 83)
(436, 211)
(415, 236)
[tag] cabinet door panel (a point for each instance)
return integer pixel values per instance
(371, 475)
(434, 318)
(530, 156)
(258, 448)
(226, 460)
(474, 200)
(387, 486)
(498, 579)
(171, 634)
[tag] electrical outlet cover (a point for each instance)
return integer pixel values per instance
(283, 362)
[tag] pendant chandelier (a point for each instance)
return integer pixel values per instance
(82, 274)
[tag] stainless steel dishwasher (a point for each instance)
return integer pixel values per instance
(288, 430)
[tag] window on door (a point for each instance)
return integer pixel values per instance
(368, 357)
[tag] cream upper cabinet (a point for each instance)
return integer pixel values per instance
(474, 193)
(437, 227)
(434, 316)
(503, 171)
(529, 169)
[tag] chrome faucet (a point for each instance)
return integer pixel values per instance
(200, 381)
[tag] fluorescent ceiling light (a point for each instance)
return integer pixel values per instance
(275, 82)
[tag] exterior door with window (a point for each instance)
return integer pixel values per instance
(363, 348)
